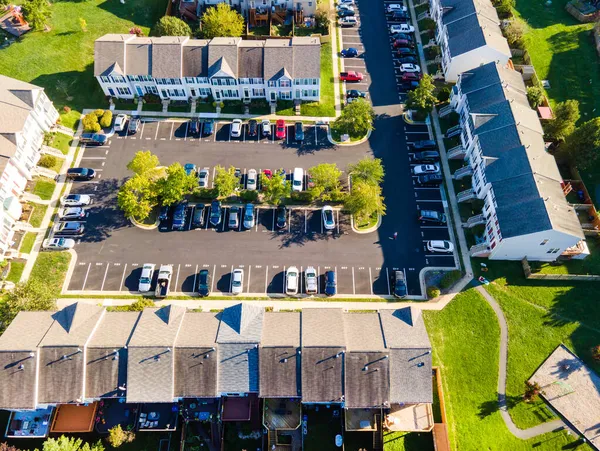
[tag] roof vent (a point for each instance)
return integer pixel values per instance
(64, 357)
(122, 387)
(420, 364)
(338, 355)
(366, 368)
(206, 356)
(168, 349)
(21, 367)
(32, 354)
(213, 349)
(79, 350)
(284, 360)
(386, 357)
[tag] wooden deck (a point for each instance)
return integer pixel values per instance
(281, 413)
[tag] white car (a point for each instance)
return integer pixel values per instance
(75, 200)
(347, 2)
(237, 281)
(291, 280)
(251, 180)
(345, 6)
(265, 126)
(426, 169)
(402, 28)
(146, 277)
(442, 246)
(409, 67)
(236, 128)
(120, 122)
(311, 281)
(348, 21)
(395, 7)
(68, 213)
(58, 244)
(297, 179)
(328, 219)
(203, 177)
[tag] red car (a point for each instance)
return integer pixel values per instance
(411, 76)
(268, 174)
(280, 129)
(351, 76)
(402, 43)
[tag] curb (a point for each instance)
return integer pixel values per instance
(409, 121)
(350, 143)
(369, 230)
(144, 226)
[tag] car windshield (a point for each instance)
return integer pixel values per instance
(60, 242)
(251, 181)
(292, 274)
(248, 217)
(237, 283)
(145, 280)
(297, 183)
(310, 274)
(329, 216)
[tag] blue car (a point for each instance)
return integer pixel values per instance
(330, 283)
(179, 217)
(350, 52)
(190, 169)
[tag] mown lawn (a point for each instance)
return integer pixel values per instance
(407, 441)
(61, 61)
(27, 242)
(44, 187)
(589, 265)
(51, 268)
(37, 216)
(326, 107)
(465, 337)
(16, 269)
(61, 142)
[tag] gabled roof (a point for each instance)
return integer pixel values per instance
(279, 57)
(150, 374)
(108, 51)
(322, 374)
(17, 99)
(26, 331)
(139, 57)
(367, 376)
(410, 376)
(404, 328)
(73, 325)
(167, 56)
(195, 58)
(363, 332)
(241, 323)
(323, 327)
(221, 69)
(158, 327)
(250, 61)
(281, 329)
(61, 375)
(227, 49)
(279, 372)
(238, 368)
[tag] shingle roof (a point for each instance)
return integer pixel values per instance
(367, 376)
(279, 372)
(16, 102)
(139, 57)
(241, 323)
(238, 368)
(115, 330)
(150, 374)
(106, 371)
(250, 62)
(221, 68)
(279, 55)
(199, 329)
(323, 327)
(307, 57)
(363, 332)
(281, 329)
(410, 376)
(404, 328)
(108, 50)
(196, 372)
(166, 57)
(158, 327)
(226, 48)
(322, 374)
(195, 58)
(61, 375)
(26, 331)
(73, 325)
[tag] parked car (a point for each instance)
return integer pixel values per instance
(355, 93)
(426, 156)
(426, 169)
(291, 280)
(351, 76)
(395, 7)
(265, 126)
(203, 176)
(68, 213)
(430, 179)
(204, 283)
(406, 59)
(343, 13)
(405, 51)
(402, 28)
(348, 22)
(428, 144)
(410, 76)
(146, 277)
(268, 173)
(190, 169)
(409, 85)
(58, 244)
(179, 216)
(164, 213)
(299, 131)
(403, 43)
(432, 217)
(252, 127)
(408, 37)
(330, 283)
(81, 174)
(348, 2)
(94, 139)
(120, 122)
(237, 281)
(350, 52)
(194, 128)
(344, 6)
(233, 221)
(251, 180)
(441, 246)
(310, 280)
(236, 128)
(280, 129)
(281, 217)
(69, 228)
(75, 200)
(237, 173)
(208, 127)
(410, 67)
(134, 125)
(215, 213)
(328, 218)
(399, 284)
(249, 216)
(399, 16)
(198, 217)
(298, 179)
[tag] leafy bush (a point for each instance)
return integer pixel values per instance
(444, 94)
(450, 278)
(302, 196)
(99, 113)
(90, 122)
(117, 436)
(504, 8)
(432, 52)
(47, 161)
(137, 306)
(171, 26)
(151, 98)
(66, 109)
(249, 196)
(433, 292)
(106, 119)
(514, 32)
(535, 95)
(427, 24)
(206, 193)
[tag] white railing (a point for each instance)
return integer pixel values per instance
(475, 221)
(479, 250)
(463, 172)
(465, 195)
(457, 152)
(445, 110)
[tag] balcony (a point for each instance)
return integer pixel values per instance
(445, 111)
(453, 131)
(457, 152)
(464, 196)
(474, 221)
(480, 250)
(463, 172)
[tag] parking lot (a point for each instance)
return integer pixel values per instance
(352, 38)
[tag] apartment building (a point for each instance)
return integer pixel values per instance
(25, 114)
(180, 68)
(525, 212)
(468, 33)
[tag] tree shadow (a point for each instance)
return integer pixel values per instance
(487, 408)
(142, 13)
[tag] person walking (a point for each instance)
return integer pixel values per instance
(394, 236)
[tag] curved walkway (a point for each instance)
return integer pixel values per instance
(523, 434)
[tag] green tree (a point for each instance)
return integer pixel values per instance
(64, 443)
(367, 170)
(32, 295)
(566, 115)
(171, 26)
(37, 13)
(514, 32)
(535, 95)
(117, 436)
(143, 161)
(137, 197)
(583, 145)
(176, 184)
(364, 201)
(326, 177)
(356, 119)
(225, 182)
(274, 188)
(422, 98)
(106, 119)
(504, 7)
(90, 123)
(221, 20)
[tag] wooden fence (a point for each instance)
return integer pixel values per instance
(440, 430)
(529, 274)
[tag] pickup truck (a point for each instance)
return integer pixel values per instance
(310, 276)
(164, 279)
(351, 76)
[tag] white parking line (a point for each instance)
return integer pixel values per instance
(353, 286)
(387, 275)
(156, 134)
(212, 279)
(231, 279)
(273, 222)
(318, 280)
(338, 221)
(289, 220)
(370, 280)
(86, 276)
(177, 278)
(93, 158)
(142, 134)
(267, 279)
(249, 272)
(171, 135)
(195, 275)
(306, 222)
(104, 280)
(284, 279)
(123, 277)
(187, 124)
(256, 222)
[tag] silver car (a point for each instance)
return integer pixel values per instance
(69, 213)
(203, 177)
(234, 217)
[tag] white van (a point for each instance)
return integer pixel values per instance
(291, 280)
(297, 179)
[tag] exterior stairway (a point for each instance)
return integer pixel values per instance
(474, 221)
(463, 172)
(453, 131)
(457, 152)
(445, 111)
(468, 194)
(480, 250)
(378, 435)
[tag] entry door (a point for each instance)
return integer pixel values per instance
(139, 91)
(246, 93)
(297, 93)
(273, 98)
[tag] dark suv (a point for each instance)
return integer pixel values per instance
(298, 131)
(399, 284)
(69, 228)
(430, 179)
(80, 174)
(96, 139)
(198, 218)
(330, 283)
(426, 156)
(423, 145)
(179, 217)
(204, 283)
(432, 217)
(215, 213)
(194, 127)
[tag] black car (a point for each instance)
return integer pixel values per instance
(198, 218)
(194, 127)
(208, 127)
(179, 217)
(399, 284)
(406, 36)
(134, 125)
(406, 60)
(330, 283)
(69, 228)
(430, 179)
(426, 156)
(405, 51)
(409, 85)
(281, 217)
(298, 131)
(80, 174)
(345, 13)
(164, 213)
(238, 173)
(355, 93)
(432, 217)
(428, 144)
(204, 283)
(96, 139)
(399, 16)
(252, 127)
(215, 213)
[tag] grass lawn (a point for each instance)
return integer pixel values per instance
(44, 187)
(61, 142)
(205, 108)
(16, 269)
(27, 242)
(37, 216)
(589, 265)
(326, 107)
(465, 337)
(152, 107)
(366, 224)
(322, 429)
(62, 59)
(407, 441)
(51, 268)
(179, 108)
(58, 165)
